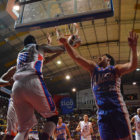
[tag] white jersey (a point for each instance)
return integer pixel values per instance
(29, 62)
(137, 123)
(85, 130)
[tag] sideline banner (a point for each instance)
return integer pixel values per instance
(67, 105)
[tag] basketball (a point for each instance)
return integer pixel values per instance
(74, 41)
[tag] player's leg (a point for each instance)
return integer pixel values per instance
(24, 111)
(122, 126)
(43, 103)
(11, 130)
(106, 130)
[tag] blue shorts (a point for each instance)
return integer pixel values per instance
(114, 126)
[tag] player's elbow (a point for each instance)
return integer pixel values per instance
(133, 66)
(77, 129)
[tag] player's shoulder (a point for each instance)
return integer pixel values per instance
(63, 124)
(81, 122)
(89, 123)
(135, 117)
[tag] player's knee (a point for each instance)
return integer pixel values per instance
(53, 119)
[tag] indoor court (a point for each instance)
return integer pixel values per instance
(102, 27)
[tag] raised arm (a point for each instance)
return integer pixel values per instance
(88, 65)
(52, 57)
(6, 77)
(9, 74)
(51, 49)
(132, 65)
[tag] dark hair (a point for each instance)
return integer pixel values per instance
(112, 61)
(60, 117)
(29, 39)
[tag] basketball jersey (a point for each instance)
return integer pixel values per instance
(29, 62)
(61, 132)
(106, 89)
(85, 130)
(137, 123)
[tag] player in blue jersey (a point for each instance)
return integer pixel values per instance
(62, 130)
(113, 117)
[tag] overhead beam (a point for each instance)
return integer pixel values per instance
(28, 2)
(100, 42)
(2, 42)
(137, 6)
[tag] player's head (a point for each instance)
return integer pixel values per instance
(85, 117)
(60, 119)
(138, 111)
(106, 60)
(29, 40)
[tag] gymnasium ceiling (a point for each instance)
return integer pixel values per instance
(98, 37)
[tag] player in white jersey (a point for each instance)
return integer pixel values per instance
(29, 91)
(136, 121)
(85, 127)
(29, 70)
(12, 124)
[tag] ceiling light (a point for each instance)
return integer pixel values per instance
(16, 7)
(74, 90)
(58, 62)
(67, 77)
(134, 83)
(6, 39)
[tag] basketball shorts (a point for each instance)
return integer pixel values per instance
(115, 126)
(29, 94)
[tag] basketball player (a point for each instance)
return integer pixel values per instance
(62, 130)
(11, 114)
(136, 121)
(85, 127)
(29, 91)
(113, 117)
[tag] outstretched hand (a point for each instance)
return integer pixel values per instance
(63, 40)
(132, 40)
(49, 39)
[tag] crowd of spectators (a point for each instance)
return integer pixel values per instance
(71, 120)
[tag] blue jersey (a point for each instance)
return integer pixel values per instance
(106, 88)
(61, 132)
